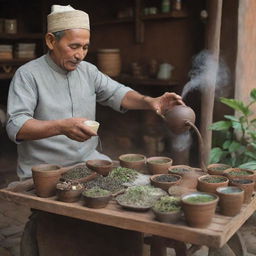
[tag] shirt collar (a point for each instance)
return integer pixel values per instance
(54, 66)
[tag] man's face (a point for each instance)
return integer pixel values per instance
(71, 49)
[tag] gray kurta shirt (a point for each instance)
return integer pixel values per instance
(42, 90)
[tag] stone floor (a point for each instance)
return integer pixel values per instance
(13, 216)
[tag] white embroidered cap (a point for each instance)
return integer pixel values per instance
(66, 17)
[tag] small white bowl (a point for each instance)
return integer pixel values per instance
(94, 125)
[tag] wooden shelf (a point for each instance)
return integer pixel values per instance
(22, 36)
(114, 21)
(170, 15)
(14, 61)
(126, 79)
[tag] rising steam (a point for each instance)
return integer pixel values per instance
(203, 73)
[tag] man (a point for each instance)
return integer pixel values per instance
(51, 97)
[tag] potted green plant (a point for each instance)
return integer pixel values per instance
(199, 208)
(167, 209)
(234, 139)
(209, 183)
(96, 197)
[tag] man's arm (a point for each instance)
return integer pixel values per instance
(135, 100)
(73, 128)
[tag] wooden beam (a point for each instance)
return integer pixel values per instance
(208, 91)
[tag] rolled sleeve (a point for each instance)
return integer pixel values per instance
(22, 100)
(13, 127)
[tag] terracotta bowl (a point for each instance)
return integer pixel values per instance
(205, 183)
(102, 167)
(247, 174)
(96, 202)
(158, 164)
(45, 177)
(247, 185)
(165, 185)
(217, 169)
(69, 195)
(133, 161)
(180, 169)
(168, 217)
(231, 200)
(198, 213)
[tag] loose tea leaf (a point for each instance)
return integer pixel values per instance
(214, 179)
(107, 183)
(96, 192)
(78, 172)
(167, 204)
(141, 196)
(200, 199)
(166, 178)
(124, 174)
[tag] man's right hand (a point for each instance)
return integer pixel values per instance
(75, 129)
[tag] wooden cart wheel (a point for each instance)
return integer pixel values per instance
(234, 247)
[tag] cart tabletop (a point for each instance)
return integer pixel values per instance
(215, 235)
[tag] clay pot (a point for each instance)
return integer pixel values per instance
(231, 200)
(177, 116)
(217, 169)
(96, 202)
(165, 185)
(69, 195)
(45, 177)
(251, 175)
(247, 185)
(102, 167)
(133, 161)
(199, 214)
(205, 184)
(168, 217)
(158, 164)
(180, 169)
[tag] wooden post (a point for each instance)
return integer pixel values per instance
(208, 91)
(246, 52)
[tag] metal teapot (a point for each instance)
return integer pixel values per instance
(178, 118)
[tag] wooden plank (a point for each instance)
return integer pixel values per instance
(216, 235)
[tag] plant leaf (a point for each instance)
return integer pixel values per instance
(236, 104)
(232, 118)
(249, 165)
(253, 94)
(226, 144)
(215, 155)
(251, 155)
(236, 126)
(234, 146)
(220, 125)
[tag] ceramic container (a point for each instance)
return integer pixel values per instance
(231, 200)
(180, 169)
(96, 202)
(133, 161)
(102, 167)
(165, 185)
(168, 217)
(238, 173)
(94, 125)
(46, 177)
(69, 195)
(176, 118)
(209, 183)
(217, 169)
(247, 185)
(199, 208)
(159, 164)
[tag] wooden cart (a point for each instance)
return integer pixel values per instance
(216, 235)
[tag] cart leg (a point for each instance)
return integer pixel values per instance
(224, 251)
(157, 246)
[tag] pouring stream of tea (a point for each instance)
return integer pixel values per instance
(201, 145)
